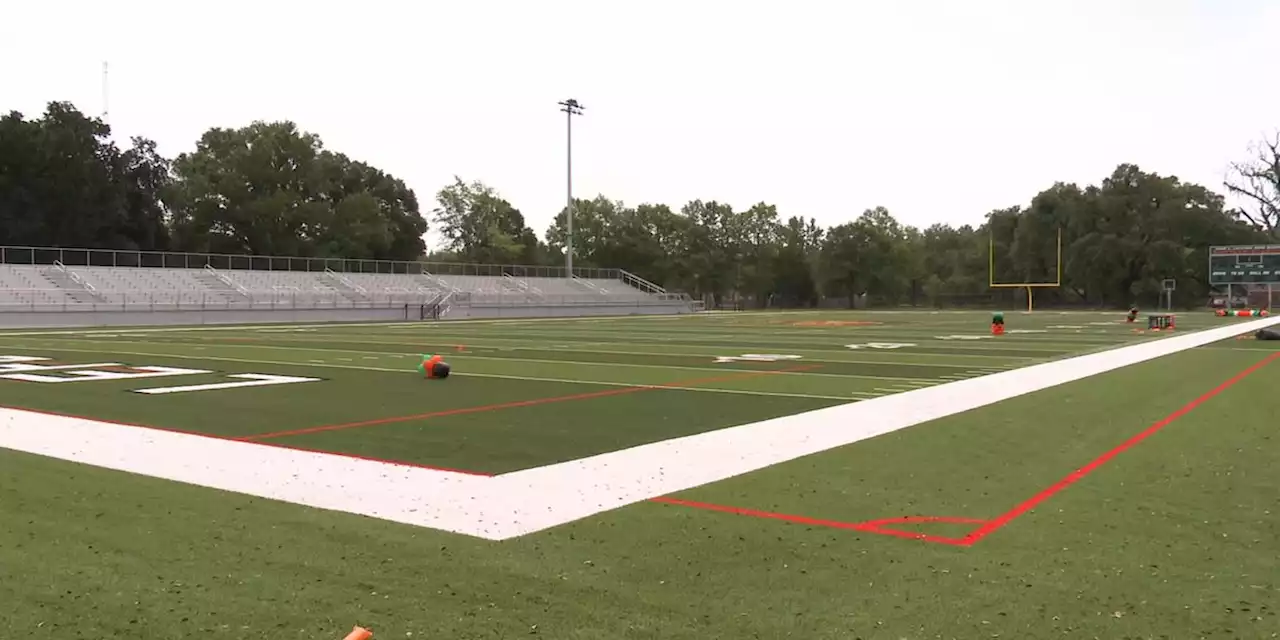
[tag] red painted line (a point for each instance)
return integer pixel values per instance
(261, 444)
(922, 520)
(519, 403)
(1005, 518)
(353, 456)
(986, 527)
(865, 527)
(755, 513)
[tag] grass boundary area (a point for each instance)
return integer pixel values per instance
(522, 502)
(983, 528)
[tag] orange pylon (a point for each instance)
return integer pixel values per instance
(359, 633)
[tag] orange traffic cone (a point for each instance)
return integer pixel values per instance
(359, 633)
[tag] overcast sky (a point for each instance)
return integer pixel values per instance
(939, 110)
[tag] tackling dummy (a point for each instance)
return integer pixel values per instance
(433, 367)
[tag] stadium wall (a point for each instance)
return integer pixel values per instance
(72, 317)
(127, 318)
(479, 311)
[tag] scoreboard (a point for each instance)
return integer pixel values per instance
(1245, 264)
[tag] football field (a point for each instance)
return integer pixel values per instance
(1140, 502)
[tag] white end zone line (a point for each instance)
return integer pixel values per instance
(523, 502)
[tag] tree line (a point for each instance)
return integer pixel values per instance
(272, 189)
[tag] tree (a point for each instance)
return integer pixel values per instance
(669, 233)
(843, 261)
(596, 236)
(148, 176)
(795, 261)
(1257, 182)
(1121, 238)
(885, 260)
(711, 247)
(271, 189)
(953, 262)
(64, 183)
(869, 255)
(759, 231)
(480, 226)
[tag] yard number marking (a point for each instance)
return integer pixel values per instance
(15, 364)
(81, 375)
(880, 345)
(757, 357)
(250, 380)
(26, 369)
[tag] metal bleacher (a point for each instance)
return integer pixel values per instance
(67, 279)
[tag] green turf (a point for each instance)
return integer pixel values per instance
(1175, 538)
(575, 366)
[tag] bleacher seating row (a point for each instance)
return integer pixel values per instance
(58, 286)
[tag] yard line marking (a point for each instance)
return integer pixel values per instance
(551, 342)
(630, 365)
(779, 394)
(489, 342)
(504, 405)
(499, 376)
(324, 325)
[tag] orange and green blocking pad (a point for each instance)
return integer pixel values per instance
(433, 366)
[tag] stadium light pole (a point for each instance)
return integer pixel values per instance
(571, 108)
(106, 110)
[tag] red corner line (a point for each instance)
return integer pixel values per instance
(985, 527)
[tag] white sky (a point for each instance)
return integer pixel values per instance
(939, 110)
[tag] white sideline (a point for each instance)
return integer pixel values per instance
(532, 500)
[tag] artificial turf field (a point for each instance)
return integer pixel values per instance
(1176, 537)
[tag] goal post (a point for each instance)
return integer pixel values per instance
(1029, 286)
(1167, 287)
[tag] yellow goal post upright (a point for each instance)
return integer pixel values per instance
(1029, 286)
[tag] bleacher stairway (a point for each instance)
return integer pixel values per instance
(75, 288)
